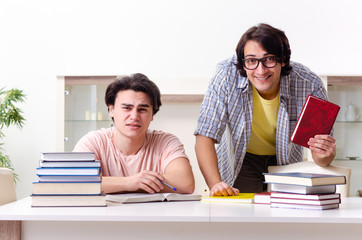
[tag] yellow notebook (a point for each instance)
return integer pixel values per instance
(240, 198)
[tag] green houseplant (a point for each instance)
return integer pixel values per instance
(9, 115)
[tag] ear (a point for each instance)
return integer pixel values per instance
(110, 110)
(283, 61)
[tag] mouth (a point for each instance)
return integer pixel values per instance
(262, 78)
(133, 125)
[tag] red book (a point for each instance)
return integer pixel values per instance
(317, 117)
(277, 195)
(317, 202)
(262, 198)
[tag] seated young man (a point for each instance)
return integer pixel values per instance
(134, 158)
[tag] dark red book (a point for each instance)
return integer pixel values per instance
(317, 117)
(262, 198)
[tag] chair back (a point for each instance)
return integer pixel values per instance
(7, 186)
(311, 167)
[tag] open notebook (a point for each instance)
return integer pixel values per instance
(146, 197)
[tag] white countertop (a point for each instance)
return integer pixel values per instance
(147, 212)
(350, 211)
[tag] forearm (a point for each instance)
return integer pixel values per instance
(183, 185)
(114, 184)
(322, 161)
(179, 175)
(207, 159)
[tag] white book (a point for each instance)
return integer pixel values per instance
(67, 156)
(63, 188)
(67, 171)
(70, 164)
(68, 201)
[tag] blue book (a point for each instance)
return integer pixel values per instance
(292, 188)
(69, 178)
(305, 179)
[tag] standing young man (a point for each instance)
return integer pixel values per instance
(134, 158)
(250, 109)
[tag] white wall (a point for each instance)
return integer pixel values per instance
(175, 43)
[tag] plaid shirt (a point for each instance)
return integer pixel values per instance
(226, 114)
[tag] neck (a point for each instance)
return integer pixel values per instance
(129, 146)
(271, 96)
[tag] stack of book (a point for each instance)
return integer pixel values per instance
(68, 179)
(304, 190)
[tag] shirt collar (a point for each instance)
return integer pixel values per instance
(285, 87)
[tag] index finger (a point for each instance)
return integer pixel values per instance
(221, 189)
(325, 137)
(155, 174)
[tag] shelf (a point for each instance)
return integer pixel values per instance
(348, 121)
(93, 121)
(106, 80)
(352, 160)
(344, 80)
(182, 98)
(88, 80)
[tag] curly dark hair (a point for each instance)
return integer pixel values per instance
(273, 40)
(138, 83)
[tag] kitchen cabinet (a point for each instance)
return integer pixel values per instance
(346, 91)
(85, 109)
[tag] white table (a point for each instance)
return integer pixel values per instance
(186, 220)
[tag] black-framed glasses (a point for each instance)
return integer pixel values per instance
(253, 63)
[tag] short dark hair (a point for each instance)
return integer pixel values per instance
(138, 83)
(273, 40)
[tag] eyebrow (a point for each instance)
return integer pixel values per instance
(140, 105)
(252, 55)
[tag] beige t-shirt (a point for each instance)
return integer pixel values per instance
(158, 150)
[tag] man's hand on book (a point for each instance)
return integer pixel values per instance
(323, 149)
(222, 189)
(147, 181)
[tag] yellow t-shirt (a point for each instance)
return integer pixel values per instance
(264, 125)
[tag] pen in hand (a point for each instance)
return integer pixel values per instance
(168, 185)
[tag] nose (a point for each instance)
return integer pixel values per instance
(134, 114)
(260, 69)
